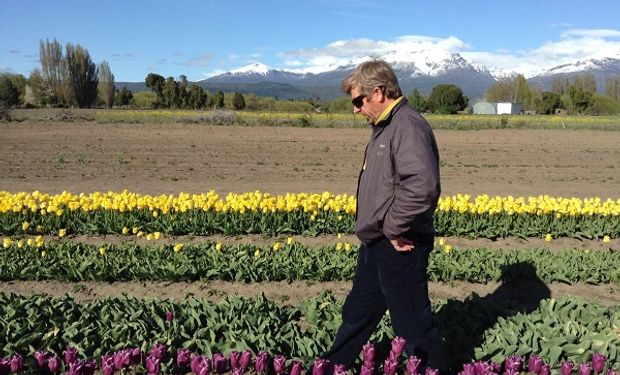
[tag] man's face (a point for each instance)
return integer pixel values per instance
(369, 106)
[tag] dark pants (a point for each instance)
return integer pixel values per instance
(398, 282)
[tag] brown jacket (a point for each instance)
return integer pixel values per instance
(398, 186)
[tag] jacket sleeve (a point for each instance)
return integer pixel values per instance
(417, 186)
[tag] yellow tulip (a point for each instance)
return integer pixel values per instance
(125, 230)
(606, 239)
(178, 247)
(157, 235)
(102, 250)
(62, 233)
(548, 237)
(25, 226)
(218, 246)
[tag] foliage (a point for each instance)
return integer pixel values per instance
(581, 100)
(238, 101)
(548, 103)
(511, 89)
(219, 100)
(447, 99)
(9, 93)
(604, 105)
(156, 83)
(106, 84)
(417, 101)
(123, 97)
(82, 74)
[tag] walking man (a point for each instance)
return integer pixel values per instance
(397, 194)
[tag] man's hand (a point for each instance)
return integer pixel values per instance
(402, 244)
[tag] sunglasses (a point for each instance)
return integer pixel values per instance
(358, 101)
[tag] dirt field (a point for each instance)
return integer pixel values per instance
(172, 158)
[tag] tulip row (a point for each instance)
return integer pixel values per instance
(71, 261)
(312, 214)
(477, 328)
(154, 362)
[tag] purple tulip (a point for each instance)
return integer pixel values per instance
(398, 345)
(368, 355)
(169, 316)
(123, 358)
(261, 362)
(5, 366)
(76, 367)
(585, 369)
(319, 367)
(71, 355)
(183, 357)
(234, 358)
(238, 371)
(431, 371)
(153, 365)
(205, 366)
(511, 372)
(513, 363)
(194, 362)
(413, 365)
(367, 370)
(246, 359)
(483, 368)
(598, 362)
(41, 358)
(545, 370)
(296, 368)
(17, 363)
(53, 363)
(339, 369)
(535, 364)
(158, 351)
(468, 369)
(610, 371)
(567, 368)
(135, 356)
(389, 366)
(107, 364)
(219, 363)
(89, 367)
(279, 363)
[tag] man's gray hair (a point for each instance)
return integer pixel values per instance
(371, 74)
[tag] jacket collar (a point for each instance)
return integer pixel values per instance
(386, 116)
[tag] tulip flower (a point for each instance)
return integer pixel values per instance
(398, 345)
(120, 358)
(158, 351)
(89, 367)
(76, 367)
(261, 362)
(511, 372)
(205, 366)
(153, 364)
(389, 366)
(535, 364)
(234, 358)
(598, 362)
(53, 364)
(135, 356)
(107, 364)
(468, 369)
(368, 355)
(246, 358)
(413, 365)
(513, 363)
(169, 316)
(71, 355)
(611, 371)
(195, 362)
(238, 371)
(219, 363)
(367, 370)
(41, 358)
(5, 366)
(320, 366)
(431, 371)
(339, 369)
(585, 369)
(183, 356)
(482, 368)
(296, 368)
(545, 370)
(279, 363)
(566, 368)
(17, 363)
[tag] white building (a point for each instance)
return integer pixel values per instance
(505, 108)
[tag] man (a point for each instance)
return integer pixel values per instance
(397, 194)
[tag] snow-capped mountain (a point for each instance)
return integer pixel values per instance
(421, 69)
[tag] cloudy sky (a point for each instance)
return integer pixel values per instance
(208, 37)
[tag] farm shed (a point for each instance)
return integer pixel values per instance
(504, 108)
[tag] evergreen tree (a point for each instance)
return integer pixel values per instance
(219, 99)
(156, 83)
(170, 94)
(417, 101)
(9, 93)
(238, 101)
(580, 99)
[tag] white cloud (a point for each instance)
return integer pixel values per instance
(200, 61)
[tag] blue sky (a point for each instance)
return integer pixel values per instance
(203, 38)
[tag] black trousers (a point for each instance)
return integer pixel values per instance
(398, 282)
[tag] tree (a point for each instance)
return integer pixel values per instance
(106, 84)
(83, 74)
(417, 101)
(586, 82)
(513, 90)
(35, 82)
(9, 93)
(580, 99)
(549, 102)
(156, 83)
(50, 55)
(447, 99)
(219, 100)
(196, 97)
(170, 94)
(123, 97)
(612, 87)
(238, 101)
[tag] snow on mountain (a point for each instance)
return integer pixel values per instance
(255, 68)
(607, 63)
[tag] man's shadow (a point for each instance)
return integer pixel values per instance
(463, 323)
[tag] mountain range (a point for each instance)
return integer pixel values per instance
(421, 69)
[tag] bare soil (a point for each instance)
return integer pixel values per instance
(84, 156)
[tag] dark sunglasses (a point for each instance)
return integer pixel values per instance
(358, 101)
